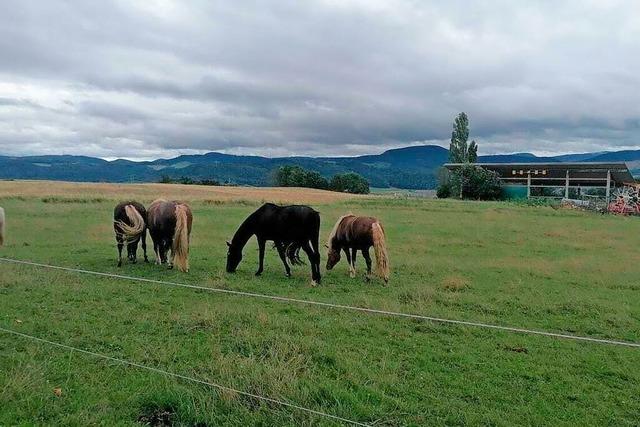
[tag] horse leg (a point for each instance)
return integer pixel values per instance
(314, 260)
(132, 252)
(144, 245)
(283, 257)
(120, 246)
(347, 254)
(168, 254)
(367, 258)
(156, 249)
(315, 246)
(354, 251)
(261, 244)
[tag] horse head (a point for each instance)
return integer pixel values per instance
(234, 256)
(333, 257)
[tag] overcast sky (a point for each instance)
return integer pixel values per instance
(147, 79)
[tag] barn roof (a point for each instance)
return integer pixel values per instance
(588, 173)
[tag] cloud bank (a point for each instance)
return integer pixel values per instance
(147, 79)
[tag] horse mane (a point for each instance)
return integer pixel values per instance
(245, 230)
(1, 226)
(335, 228)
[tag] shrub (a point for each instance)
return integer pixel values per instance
(295, 176)
(443, 191)
(444, 183)
(349, 182)
(475, 182)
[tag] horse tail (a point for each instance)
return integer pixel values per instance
(380, 248)
(1, 226)
(293, 253)
(132, 232)
(180, 247)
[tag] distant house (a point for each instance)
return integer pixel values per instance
(557, 179)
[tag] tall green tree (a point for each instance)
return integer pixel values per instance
(459, 150)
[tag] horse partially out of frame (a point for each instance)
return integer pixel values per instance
(291, 228)
(352, 233)
(170, 229)
(130, 226)
(1, 226)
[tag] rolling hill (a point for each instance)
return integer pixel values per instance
(409, 167)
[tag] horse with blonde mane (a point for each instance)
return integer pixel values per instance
(1, 226)
(130, 226)
(358, 233)
(170, 229)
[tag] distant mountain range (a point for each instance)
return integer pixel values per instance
(410, 167)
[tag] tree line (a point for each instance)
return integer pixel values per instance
(293, 176)
(296, 176)
(166, 179)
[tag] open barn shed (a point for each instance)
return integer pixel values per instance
(564, 178)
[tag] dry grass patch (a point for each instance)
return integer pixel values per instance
(455, 283)
(76, 192)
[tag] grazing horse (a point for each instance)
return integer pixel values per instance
(130, 225)
(358, 233)
(291, 228)
(170, 229)
(1, 226)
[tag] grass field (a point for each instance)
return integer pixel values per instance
(499, 263)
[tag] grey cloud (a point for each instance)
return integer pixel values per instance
(129, 79)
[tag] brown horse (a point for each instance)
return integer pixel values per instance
(170, 229)
(130, 226)
(353, 233)
(1, 226)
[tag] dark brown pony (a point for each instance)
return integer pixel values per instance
(352, 233)
(170, 229)
(130, 226)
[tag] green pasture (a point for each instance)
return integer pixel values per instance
(500, 263)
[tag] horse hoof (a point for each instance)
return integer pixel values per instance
(258, 273)
(314, 283)
(170, 267)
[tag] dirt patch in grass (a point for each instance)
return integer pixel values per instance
(157, 417)
(516, 349)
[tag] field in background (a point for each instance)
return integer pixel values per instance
(533, 267)
(71, 191)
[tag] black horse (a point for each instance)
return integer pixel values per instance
(130, 226)
(291, 228)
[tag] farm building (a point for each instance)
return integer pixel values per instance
(556, 179)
